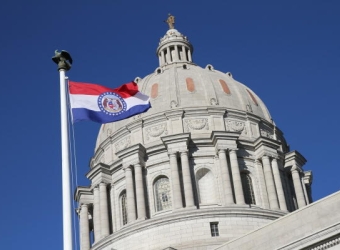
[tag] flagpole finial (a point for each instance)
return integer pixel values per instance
(63, 59)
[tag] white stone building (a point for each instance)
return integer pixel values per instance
(205, 168)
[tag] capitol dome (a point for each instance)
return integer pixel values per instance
(203, 166)
(179, 84)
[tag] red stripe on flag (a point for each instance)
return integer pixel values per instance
(81, 88)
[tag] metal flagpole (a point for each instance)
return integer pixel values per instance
(64, 61)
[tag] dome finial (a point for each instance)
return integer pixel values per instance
(170, 21)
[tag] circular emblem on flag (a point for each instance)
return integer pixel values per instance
(111, 103)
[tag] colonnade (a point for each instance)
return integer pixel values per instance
(231, 185)
(139, 200)
(176, 53)
(274, 184)
(299, 192)
(175, 180)
(101, 225)
(231, 178)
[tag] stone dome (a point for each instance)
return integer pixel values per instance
(179, 84)
(203, 166)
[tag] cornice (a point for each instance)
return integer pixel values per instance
(294, 157)
(156, 118)
(224, 135)
(174, 113)
(267, 142)
(322, 240)
(246, 144)
(99, 168)
(194, 112)
(308, 178)
(136, 148)
(220, 111)
(134, 124)
(156, 148)
(136, 151)
(237, 114)
(80, 191)
(252, 117)
(176, 138)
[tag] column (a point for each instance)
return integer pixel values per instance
(187, 183)
(270, 183)
(262, 185)
(160, 59)
(140, 192)
(298, 187)
(278, 184)
(168, 59)
(176, 59)
(163, 57)
(113, 207)
(235, 170)
(96, 214)
(84, 228)
(130, 195)
(189, 56)
(228, 192)
(184, 54)
(305, 191)
(104, 213)
(176, 188)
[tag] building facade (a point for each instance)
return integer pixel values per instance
(204, 166)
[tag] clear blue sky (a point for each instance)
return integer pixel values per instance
(288, 52)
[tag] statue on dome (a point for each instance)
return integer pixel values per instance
(170, 21)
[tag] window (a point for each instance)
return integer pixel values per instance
(162, 194)
(123, 207)
(247, 186)
(214, 229)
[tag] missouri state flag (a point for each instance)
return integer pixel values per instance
(103, 105)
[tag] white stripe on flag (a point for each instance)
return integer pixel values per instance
(90, 101)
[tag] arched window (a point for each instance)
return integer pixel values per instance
(162, 194)
(248, 189)
(205, 186)
(123, 207)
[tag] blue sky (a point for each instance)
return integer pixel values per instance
(288, 52)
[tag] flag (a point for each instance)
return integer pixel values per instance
(103, 105)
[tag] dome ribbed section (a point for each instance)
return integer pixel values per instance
(178, 84)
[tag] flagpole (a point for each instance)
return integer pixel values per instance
(64, 61)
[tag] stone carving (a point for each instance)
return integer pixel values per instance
(249, 108)
(213, 101)
(109, 132)
(196, 124)
(173, 104)
(235, 126)
(156, 131)
(267, 133)
(124, 143)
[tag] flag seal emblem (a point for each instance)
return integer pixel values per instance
(111, 103)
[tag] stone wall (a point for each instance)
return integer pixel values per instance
(316, 226)
(187, 229)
